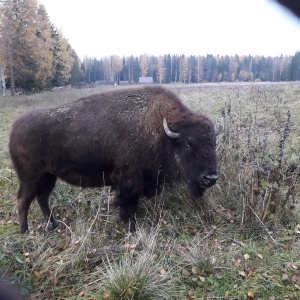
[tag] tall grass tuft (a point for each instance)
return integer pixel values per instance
(136, 274)
(199, 256)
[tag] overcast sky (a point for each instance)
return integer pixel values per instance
(97, 28)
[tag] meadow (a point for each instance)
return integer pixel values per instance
(240, 241)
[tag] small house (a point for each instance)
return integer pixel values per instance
(145, 80)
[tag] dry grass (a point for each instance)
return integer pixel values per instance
(241, 241)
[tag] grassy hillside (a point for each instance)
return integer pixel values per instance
(240, 241)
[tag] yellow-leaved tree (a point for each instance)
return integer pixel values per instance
(33, 54)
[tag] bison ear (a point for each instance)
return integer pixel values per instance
(169, 133)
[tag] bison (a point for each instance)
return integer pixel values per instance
(8, 292)
(136, 140)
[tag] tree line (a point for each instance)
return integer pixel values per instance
(34, 55)
(192, 69)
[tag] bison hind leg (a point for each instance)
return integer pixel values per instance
(46, 186)
(26, 193)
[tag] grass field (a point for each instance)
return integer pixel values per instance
(240, 241)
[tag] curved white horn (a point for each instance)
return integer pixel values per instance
(169, 133)
(219, 129)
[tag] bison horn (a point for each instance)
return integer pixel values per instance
(219, 129)
(169, 133)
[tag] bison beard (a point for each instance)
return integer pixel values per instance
(136, 140)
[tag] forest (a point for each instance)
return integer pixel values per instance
(174, 68)
(35, 56)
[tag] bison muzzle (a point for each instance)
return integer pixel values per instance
(136, 140)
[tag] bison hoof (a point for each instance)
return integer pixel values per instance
(50, 226)
(132, 228)
(24, 230)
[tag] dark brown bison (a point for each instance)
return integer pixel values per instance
(136, 140)
(8, 292)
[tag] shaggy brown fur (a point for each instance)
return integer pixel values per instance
(8, 292)
(115, 138)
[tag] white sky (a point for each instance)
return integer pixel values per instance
(97, 28)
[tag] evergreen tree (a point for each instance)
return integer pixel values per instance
(124, 73)
(62, 59)
(77, 69)
(96, 70)
(135, 70)
(192, 69)
(175, 68)
(295, 67)
(168, 68)
(225, 68)
(209, 67)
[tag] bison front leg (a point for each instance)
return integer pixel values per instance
(128, 211)
(129, 191)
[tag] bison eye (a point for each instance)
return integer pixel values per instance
(188, 146)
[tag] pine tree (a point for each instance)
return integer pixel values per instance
(192, 69)
(124, 73)
(62, 58)
(224, 69)
(175, 68)
(77, 69)
(209, 65)
(295, 67)
(168, 68)
(136, 70)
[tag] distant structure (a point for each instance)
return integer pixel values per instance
(145, 80)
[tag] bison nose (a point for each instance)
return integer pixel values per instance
(210, 180)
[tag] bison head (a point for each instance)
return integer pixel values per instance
(194, 142)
